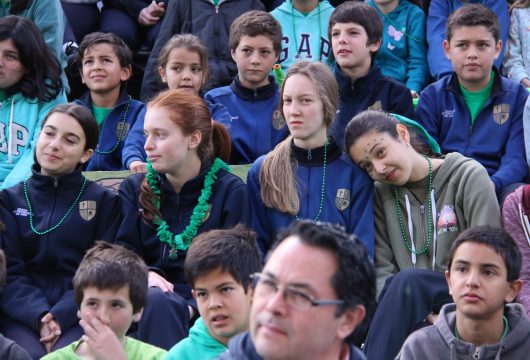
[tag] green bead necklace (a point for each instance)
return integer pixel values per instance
(182, 241)
(429, 216)
(60, 221)
(122, 131)
(323, 188)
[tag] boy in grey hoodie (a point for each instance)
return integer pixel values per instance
(483, 277)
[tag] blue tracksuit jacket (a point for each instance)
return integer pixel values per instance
(348, 198)
(255, 125)
(40, 268)
(495, 139)
(111, 130)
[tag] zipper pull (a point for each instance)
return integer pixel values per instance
(309, 155)
(476, 355)
(55, 182)
(422, 209)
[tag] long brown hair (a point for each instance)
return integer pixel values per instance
(190, 113)
(279, 188)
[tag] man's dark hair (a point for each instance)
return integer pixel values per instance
(110, 267)
(473, 15)
(354, 279)
(498, 240)
(234, 251)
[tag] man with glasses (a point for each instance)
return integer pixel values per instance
(316, 288)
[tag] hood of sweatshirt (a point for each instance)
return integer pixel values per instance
(200, 335)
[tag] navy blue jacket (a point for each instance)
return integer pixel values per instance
(255, 124)
(371, 92)
(348, 198)
(241, 347)
(229, 207)
(111, 130)
(40, 268)
(495, 139)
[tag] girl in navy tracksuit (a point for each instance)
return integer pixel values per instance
(51, 219)
(186, 191)
(307, 176)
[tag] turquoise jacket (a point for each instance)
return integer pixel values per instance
(20, 123)
(199, 345)
(403, 52)
(49, 17)
(303, 37)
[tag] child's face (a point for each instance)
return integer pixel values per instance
(223, 304)
(183, 70)
(61, 145)
(472, 51)
(112, 308)
(350, 46)
(11, 69)
(477, 282)
(101, 69)
(254, 57)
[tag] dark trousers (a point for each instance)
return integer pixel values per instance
(407, 298)
(28, 338)
(165, 320)
(82, 19)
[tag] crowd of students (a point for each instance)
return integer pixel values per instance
(333, 138)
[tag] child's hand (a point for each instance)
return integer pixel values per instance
(414, 94)
(49, 331)
(525, 82)
(138, 167)
(101, 340)
(155, 280)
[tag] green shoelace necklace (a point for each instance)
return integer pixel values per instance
(429, 216)
(26, 195)
(122, 132)
(323, 188)
(182, 241)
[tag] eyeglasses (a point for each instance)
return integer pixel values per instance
(267, 287)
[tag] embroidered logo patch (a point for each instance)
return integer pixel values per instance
(87, 209)
(376, 106)
(207, 215)
(342, 200)
(448, 113)
(501, 113)
(125, 129)
(447, 221)
(21, 212)
(277, 120)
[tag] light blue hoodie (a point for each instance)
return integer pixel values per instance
(20, 124)
(199, 345)
(306, 33)
(403, 53)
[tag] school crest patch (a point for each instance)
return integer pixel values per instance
(342, 200)
(501, 113)
(207, 215)
(277, 119)
(447, 221)
(376, 106)
(125, 127)
(87, 209)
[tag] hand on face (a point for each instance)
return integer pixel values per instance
(101, 340)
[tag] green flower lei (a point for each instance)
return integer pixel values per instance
(182, 241)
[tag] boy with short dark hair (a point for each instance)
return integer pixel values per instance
(355, 30)
(110, 288)
(483, 277)
(256, 125)
(105, 65)
(475, 111)
(218, 268)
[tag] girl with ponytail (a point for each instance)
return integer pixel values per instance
(187, 190)
(307, 176)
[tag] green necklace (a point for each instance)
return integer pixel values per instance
(323, 188)
(429, 215)
(182, 241)
(297, 50)
(504, 333)
(60, 221)
(122, 131)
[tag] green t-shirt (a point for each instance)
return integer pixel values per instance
(475, 100)
(134, 349)
(100, 114)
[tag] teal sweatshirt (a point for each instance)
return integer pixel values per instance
(199, 345)
(20, 123)
(403, 52)
(303, 37)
